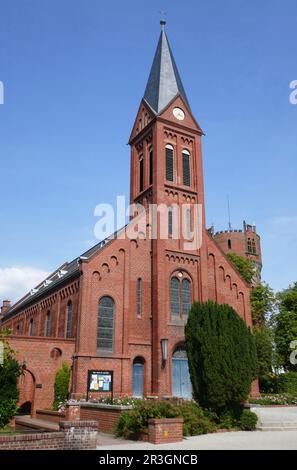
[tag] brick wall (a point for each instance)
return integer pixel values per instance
(72, 436)
(37, 385)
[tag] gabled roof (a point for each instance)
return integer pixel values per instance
(164, 81)
(65, 272)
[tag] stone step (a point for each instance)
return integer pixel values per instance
(277, 428)
(34, 423)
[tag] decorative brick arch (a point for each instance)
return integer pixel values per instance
(27, 384)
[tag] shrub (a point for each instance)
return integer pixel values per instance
(61, 386)
(287, 383)
(248, 420)
(10, 371)
(195, 420)
(263, 341)
(132, 423)
(8, 409)
(286, 327)
(268, 383)
(222, 356)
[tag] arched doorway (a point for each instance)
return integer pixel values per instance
(27, 391)
(181, 382)
(138, 373)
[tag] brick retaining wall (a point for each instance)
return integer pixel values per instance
(105, 415)
(75, 435)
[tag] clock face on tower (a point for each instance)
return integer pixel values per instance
(178, 114)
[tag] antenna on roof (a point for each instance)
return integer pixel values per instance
(229, 216)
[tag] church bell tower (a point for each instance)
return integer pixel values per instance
(166, 170)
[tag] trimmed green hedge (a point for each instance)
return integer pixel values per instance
(222, 356)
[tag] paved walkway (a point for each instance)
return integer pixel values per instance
(256, 440)
(271, 421)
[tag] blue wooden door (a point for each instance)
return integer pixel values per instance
(181, 382)
(138, 380)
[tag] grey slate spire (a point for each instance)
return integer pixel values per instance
(164, 81)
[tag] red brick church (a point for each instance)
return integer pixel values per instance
(122, 305)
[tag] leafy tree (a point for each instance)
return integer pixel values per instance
(10, 370)
(262, 304)
(243, 265)
(61, 386)
(222, 355)
(263, 341)
(286, 326)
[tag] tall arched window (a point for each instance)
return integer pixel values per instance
(169, 154)
(48, 324)
(141, 173)
(139, 296)
(170, 221)
(229, 244)
(180, 297)
(69, 320)
(31, 327)
(105, 332)
(186, 296)
(151, 165)
(186, 168)
(175, 297)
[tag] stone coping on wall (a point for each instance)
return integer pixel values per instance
(165, 420)
(50, 412)
(106, 406)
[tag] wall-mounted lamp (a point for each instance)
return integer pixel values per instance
(164, 349)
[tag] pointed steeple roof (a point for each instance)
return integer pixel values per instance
(164, 81)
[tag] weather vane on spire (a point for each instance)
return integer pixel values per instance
(163, 21)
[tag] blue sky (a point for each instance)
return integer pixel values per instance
(74, 73)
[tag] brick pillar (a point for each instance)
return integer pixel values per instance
(255, 389)
(73, 412)
(166, 430)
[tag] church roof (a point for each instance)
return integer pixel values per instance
(65, 272)
(164, 81)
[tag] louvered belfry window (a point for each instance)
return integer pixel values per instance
(105, 332)
(169, 162)
(175, 297)
(186, 168)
